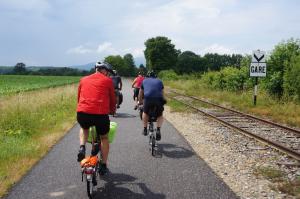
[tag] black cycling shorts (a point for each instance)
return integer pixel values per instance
(153, 106)
(101, 122)
(136, 93)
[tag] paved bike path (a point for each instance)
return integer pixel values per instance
(177, 172)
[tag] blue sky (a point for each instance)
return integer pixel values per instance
(70, 32)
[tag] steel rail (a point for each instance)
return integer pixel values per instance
(276, 145)
(245, 114)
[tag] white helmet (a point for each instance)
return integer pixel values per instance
(104, 65)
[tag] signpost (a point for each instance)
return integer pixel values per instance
(258, 68)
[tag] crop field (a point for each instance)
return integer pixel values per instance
(11, 84)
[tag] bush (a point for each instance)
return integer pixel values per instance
(274, 83)
(209, 79)
(168, 75)
(233, 78)
(229, 78)
(291, 78)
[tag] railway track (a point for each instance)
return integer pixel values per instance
(282, 138)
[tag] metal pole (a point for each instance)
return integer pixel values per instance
(255, 90)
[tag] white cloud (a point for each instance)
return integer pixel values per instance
(136, 52)
(106, 47)
(79, 50)
(216, 48)
(177, 17)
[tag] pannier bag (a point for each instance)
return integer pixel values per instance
(111, 133)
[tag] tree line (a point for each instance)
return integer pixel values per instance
(230, 72)
(21, 69)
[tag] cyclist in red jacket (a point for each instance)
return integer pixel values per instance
(136, 84)
(96, 100)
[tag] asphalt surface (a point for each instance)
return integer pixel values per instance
(176, 172)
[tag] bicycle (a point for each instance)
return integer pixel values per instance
(90, 168)
(152, 132)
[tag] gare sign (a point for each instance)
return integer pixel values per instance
(258, 66)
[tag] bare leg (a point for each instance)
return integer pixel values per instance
(117, 100)
(145, 119)
(160, 120)
(104, 148)
(83, 135)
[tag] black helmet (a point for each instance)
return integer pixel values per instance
(151, 73)
(103, 65)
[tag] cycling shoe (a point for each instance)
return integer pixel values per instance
(81, 154)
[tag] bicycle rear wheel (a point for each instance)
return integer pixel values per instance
(153, 152)
(91, 185)
(89, 188)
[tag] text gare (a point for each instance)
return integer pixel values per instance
(257, 69)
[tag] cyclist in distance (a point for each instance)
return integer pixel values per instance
(152, 91)
(96, 100)
(117, 85)
(136, 84)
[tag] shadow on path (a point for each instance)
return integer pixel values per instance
(117, 186)
(124, 115)
(174, 151)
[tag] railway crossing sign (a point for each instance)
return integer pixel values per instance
(258, 66)
(258, 56)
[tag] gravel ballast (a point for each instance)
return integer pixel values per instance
(231, 155)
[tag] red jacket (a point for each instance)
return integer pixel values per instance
(96, 95)
(138, 81)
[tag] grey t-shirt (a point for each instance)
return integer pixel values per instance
(116, 80)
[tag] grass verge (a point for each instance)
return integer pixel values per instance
(176, 106)
(30, 123)
(279, 111)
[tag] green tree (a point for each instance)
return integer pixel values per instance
(216, 62)
(189, 62)
(291, 78)
(117, 62)
(129, 65)
(280, 58)
(160, 54)
(19, 69)
(142, 69)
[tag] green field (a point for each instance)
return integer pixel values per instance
(10, 84)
